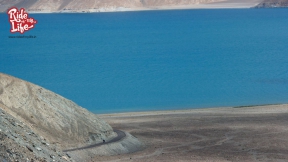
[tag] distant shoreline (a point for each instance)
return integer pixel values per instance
(141, 9)
(184, 110)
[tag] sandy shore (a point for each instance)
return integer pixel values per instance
(218, 134)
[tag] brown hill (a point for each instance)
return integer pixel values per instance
(58, 120)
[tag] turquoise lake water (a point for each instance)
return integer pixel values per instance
(155, 60)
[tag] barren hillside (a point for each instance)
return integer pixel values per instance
(19, 143)
(53, 117)
(37, 124)
(95, 5)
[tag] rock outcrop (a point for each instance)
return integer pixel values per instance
(58, 120)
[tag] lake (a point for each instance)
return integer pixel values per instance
(154, 60)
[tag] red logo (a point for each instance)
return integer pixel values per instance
(20, 22)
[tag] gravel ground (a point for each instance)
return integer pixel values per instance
(219, 134)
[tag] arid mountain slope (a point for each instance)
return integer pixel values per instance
(19, 143)
(51, 116)
(94, 5)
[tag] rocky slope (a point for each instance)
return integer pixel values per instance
(56, 119)
(93, 5)
(273, 3)
(19, 143)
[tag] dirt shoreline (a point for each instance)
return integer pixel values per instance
(216, 134)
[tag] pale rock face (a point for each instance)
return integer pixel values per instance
(57, 119)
